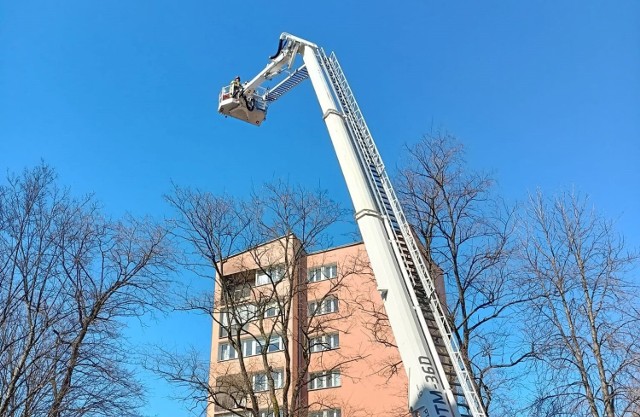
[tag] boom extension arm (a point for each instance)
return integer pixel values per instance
(250, 102)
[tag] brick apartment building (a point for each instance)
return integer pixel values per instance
(305, 333)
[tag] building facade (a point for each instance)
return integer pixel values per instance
(302, 334)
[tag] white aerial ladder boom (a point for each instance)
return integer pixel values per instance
(439, 383)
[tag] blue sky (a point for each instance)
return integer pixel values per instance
(120, 97)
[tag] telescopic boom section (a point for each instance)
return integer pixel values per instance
(439, 383)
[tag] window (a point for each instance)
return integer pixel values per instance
(315, 275)
(236, 293)
(224, 323)
(253, 347)
(245, 313)
(270, 275)
(270, 413)
(323, 272)
(239, 317)
(277, 379)
(224, 318)
(271, 310)
(327, 379)
(328, 305)
(275, 344)
(226, 352)
(260, 382)
(334, 412)
(324, 342)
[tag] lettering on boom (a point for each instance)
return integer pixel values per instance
(440, 404)
(436, 394)
(430, 375)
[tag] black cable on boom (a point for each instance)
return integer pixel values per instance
(280, 45)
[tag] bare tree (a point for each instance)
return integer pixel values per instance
(467, 233)
(268, 314)
(584, 312)
(68, 278)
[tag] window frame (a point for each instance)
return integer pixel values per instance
(275, 340)
(269, 275)
(244, 314)
(325, 342)
(329, 412)
(254, 346)
(278, 380)
(237, 294)
(324, 380)
(263, 382)
(251, 347)
(271, 306)
(229, 347)
(269, 413)
(322, 273)
(327, 306)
